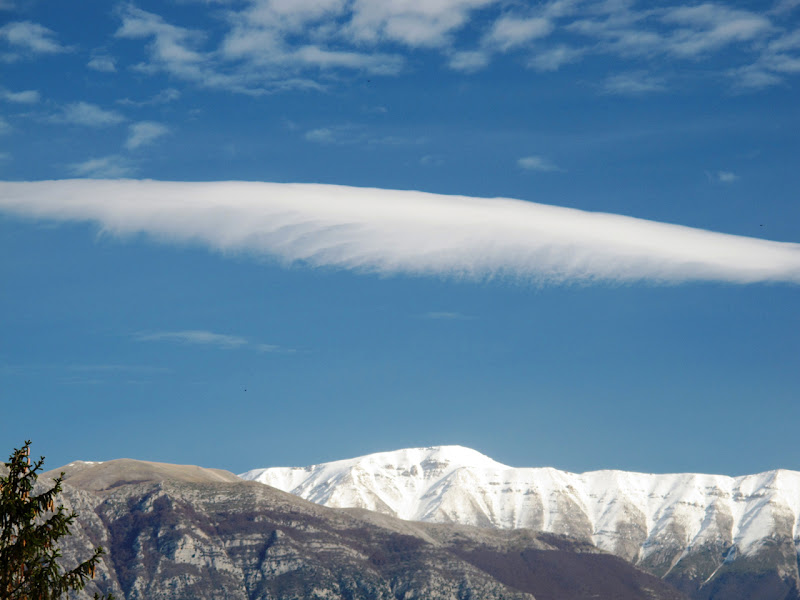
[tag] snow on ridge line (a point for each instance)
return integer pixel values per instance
(453, 483)
(483, 461)
(460, 455)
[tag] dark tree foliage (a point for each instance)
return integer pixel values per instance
(31, 529)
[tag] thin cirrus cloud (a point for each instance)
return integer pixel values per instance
(201, 337)
(636, 83)
(113, 166)
(144, 133)
(390, 232)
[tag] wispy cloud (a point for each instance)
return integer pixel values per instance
(326, 135)
(194, 336)
(553, 59)
(78, 372)
(537, 163)
(785, 6)
(753, 77)
(469, 61)
(414, 24)
(388, 231)
(24, 97)
(89, 115)
(253, 57)
(31, 38)
(201, 337)
(104, 64)
(165, 96)
(143, 133)
(707, 27)
(110, 167)
(722, 176)
(432, 160)
(508, 31)
(635, 83)
(268, 46)
(351, 133)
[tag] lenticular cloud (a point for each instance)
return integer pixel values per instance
(388, 231)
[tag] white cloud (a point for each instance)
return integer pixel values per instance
(24, 97)
(165, 96)
(537, 163)
(351, 133)
(509, 32)
(202, 337)
(143, 133)
(753, 77)
(469, 61)
(635, 83)
(90, 115)
(173, 49)
(432, 160)
(785, 6)
(4, 126)
(706, 27)
(722, 176)
(254, 56)
(388, 231)
(31, 37)
(291, 15)
(555, 58)
(104, 64)
(273, 45)
(111, 167)
(379, 64)
(415, 23)
(195, 336)
(779, 58)
(326, 135)
(691, 32)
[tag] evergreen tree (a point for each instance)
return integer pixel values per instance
(31, 529)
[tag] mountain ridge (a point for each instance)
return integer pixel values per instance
(179, 532)
(689, 526)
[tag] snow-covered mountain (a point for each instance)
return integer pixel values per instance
(686, 527)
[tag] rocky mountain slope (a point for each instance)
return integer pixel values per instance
(181, 532)
(709, 535)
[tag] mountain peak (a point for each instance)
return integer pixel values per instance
(453, 455)
(641, 517)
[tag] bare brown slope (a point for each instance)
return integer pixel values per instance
(107, 475)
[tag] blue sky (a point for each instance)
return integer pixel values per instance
(248, 325)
